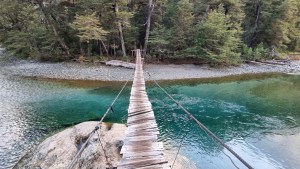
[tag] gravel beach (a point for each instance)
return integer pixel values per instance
(158, 72)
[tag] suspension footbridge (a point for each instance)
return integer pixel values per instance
(141, 148)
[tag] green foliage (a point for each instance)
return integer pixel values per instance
(17, 23)
(217, 43)
(89, 28)
(159, 40)
(272, 22)
(182, 25)
(208, 30)
(17, 43)
(259, 53)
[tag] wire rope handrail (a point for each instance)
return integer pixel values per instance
(109, 109)
(202, 126)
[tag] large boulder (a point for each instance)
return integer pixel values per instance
(58, 151)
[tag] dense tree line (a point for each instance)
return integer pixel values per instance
(212, 31)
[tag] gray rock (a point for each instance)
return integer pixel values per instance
(57, 151)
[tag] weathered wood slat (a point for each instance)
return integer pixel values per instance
(144, 162)
(141, 138)
(141, 148)
(143, 154)
(153, 146)
(146, 131)
(144, 125)
(143, 133)
(159, 166)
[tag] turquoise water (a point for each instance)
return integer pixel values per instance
(258, 117)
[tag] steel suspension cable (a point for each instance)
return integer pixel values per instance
(73, 162)
(204, 128)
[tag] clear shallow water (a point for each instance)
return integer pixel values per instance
(259, 118)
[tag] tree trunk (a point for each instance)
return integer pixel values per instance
(48, 20)
(150, 10)
(100, 48)
(89, 49)
(106, 51)
(257, 13)
(120, 30)
(81, 50)
(114, 47)
(206, 11)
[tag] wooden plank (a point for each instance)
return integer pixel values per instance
(141, 138)
(142, 116)
(136, 110)
(144, 125)
(154, 146)
(142, 163)
(142, 154)
(132, 109)
(159, 166)
(140, 120)
(143, 132)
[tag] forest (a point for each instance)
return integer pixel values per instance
(218, 32)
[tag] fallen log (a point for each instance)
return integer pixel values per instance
(120, 63)
(267, 62)
(280, 62)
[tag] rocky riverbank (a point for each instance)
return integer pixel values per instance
(57, 151)
(158, 72)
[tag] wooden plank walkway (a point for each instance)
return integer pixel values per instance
(141, 149)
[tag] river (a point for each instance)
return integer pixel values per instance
(259, 117)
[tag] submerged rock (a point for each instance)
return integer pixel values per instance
(57, 151)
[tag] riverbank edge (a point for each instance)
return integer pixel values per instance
(99, 72)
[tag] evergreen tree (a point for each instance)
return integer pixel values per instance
(292, 9)
(159, 41)
(41, 28)
(182, 26)
(19, 29)
(272, 22)
(216, 42)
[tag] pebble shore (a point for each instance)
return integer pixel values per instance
(76, 71)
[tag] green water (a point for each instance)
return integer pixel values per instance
(258, 117)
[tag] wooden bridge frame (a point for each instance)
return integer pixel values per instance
(141, 148)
